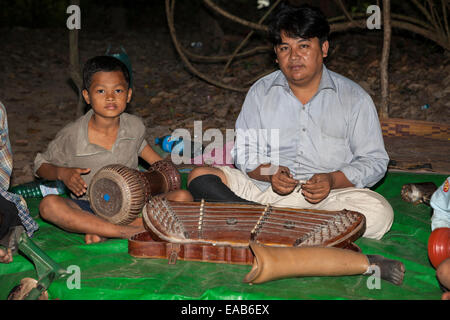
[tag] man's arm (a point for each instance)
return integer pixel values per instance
(370, 158)
(6, 160)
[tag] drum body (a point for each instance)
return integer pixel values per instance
(118, 193)
(439, 246)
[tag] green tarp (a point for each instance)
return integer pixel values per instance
(109, 272)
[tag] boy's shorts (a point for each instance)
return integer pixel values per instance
(83, 204)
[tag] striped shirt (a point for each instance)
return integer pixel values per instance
(6, 166)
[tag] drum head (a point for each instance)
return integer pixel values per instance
(114, 195)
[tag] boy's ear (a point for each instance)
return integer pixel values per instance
(86, 96)
(130, 94)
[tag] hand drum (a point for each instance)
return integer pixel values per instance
(118, 193)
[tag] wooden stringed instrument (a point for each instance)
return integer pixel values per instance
(221, 232)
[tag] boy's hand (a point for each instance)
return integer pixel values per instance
(72, 179)
(318, 187)
(282, 181)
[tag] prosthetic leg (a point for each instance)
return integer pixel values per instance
(47, 270)
(15, 238)
(271, 263)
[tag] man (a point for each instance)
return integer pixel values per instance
(305, 128)
(13, 208)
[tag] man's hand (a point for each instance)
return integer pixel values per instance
(73, 180)
(282, 181)
(318, 187)
(5, 255)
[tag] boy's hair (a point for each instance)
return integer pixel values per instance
(106, 64)
(298, 22)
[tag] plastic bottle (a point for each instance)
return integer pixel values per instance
(169, 144)
(40, 188)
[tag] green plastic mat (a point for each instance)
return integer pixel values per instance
(107, 271)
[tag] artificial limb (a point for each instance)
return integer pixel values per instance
(271, 263)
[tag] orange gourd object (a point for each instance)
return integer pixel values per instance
(439, 246)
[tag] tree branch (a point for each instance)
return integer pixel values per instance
(244, 42)
(170, 8)
(218, 59)
(344, 9)
(234, 18)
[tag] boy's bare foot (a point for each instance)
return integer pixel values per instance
(138, 222)
(93, 238)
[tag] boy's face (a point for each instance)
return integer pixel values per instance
(108, 94)
(300, 59)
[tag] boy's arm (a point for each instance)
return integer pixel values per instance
(150, 155)
(70, 176)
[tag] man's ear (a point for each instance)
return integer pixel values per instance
(86, 96)
(325, 47)
(130, 94)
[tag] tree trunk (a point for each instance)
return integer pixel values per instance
(384, 112)
(74, 68)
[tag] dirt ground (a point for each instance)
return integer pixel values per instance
(40, 98)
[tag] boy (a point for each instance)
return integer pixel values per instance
(104, 135)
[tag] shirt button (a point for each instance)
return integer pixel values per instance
(304, 129)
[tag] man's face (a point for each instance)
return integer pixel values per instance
(108, 94)
(300, 59)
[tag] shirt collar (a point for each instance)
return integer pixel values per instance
(84, 147)
(326, 82)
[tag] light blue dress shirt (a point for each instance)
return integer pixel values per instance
(440, 202)
(338, 129)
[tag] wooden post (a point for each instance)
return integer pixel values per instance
(384, 112)
(74, 68)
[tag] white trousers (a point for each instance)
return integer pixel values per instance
(376, 209)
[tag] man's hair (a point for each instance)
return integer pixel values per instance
(105, 64)
(298, 22)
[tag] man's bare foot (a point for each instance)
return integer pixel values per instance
(6, 256)
(93, 238)
(391, 270)
(446, 296)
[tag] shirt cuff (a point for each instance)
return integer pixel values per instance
(38, 161)
(352, 175)
(440, 219)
